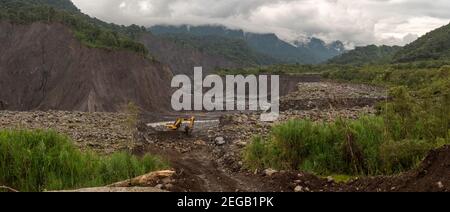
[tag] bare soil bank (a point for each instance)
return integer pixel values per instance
(44, 67)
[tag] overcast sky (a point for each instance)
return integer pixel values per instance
(357, 22)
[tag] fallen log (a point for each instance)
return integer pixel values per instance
(9, 189)
(144, 183)
(148, 180)
(116, 189)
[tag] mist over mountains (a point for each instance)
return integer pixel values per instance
(312, 51)
(433, 46)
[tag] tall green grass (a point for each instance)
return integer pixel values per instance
(414, 121)
(348, 147)
(44, 160)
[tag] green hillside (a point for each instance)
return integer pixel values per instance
(236, 50)
(435, 45)
(90, 31)
(313, 51)
(367, 55)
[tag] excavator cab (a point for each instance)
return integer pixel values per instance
(180, 122)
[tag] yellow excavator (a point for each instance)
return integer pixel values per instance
(180, 122)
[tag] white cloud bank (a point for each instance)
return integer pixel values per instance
(358, 22)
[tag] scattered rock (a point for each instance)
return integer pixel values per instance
(200, 142)
(298, 189)
(240, 143)
(166, 180)
(168, 186)
(220, 141)
(330, 179)
(270, 172)
(101, 132)
(440, 185)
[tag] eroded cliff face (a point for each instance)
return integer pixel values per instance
(44, 67)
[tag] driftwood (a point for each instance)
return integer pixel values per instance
(9, 189)
(144, 183)
(116, 189)
(148, 180)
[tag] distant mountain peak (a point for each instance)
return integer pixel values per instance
(313, 42)
(337, 45)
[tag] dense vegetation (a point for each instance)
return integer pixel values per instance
(66, 5)
(435, 45)
(365, 73)
(367, 55)
(92, 32)
(415, 120)
(268, 44)
(283, 69)
(44, 160)
(236, 50)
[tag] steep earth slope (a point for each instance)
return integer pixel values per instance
(43, 66)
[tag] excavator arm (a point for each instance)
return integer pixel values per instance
(179, 122)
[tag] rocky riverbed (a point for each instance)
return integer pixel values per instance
(331, 95)
(102, 132)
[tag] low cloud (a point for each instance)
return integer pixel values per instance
(362, 22)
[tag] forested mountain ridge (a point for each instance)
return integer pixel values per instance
(371, 54)
(235, 50)
(57, 4)
(268, 44)
(90, 31)
(434, 45)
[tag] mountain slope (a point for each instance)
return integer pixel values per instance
(95, 33)
(57, 4)
(236, 50)
(182, 60)
(367, 55)
(266, 44)
(217, 41)
(271, 45)
(43, 66)
(435, 45)
(321, 50)
(54, 57)
(91, 31)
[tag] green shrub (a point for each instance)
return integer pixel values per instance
(256, 154)
(44, 160)
(402, 155)
(347, 147)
